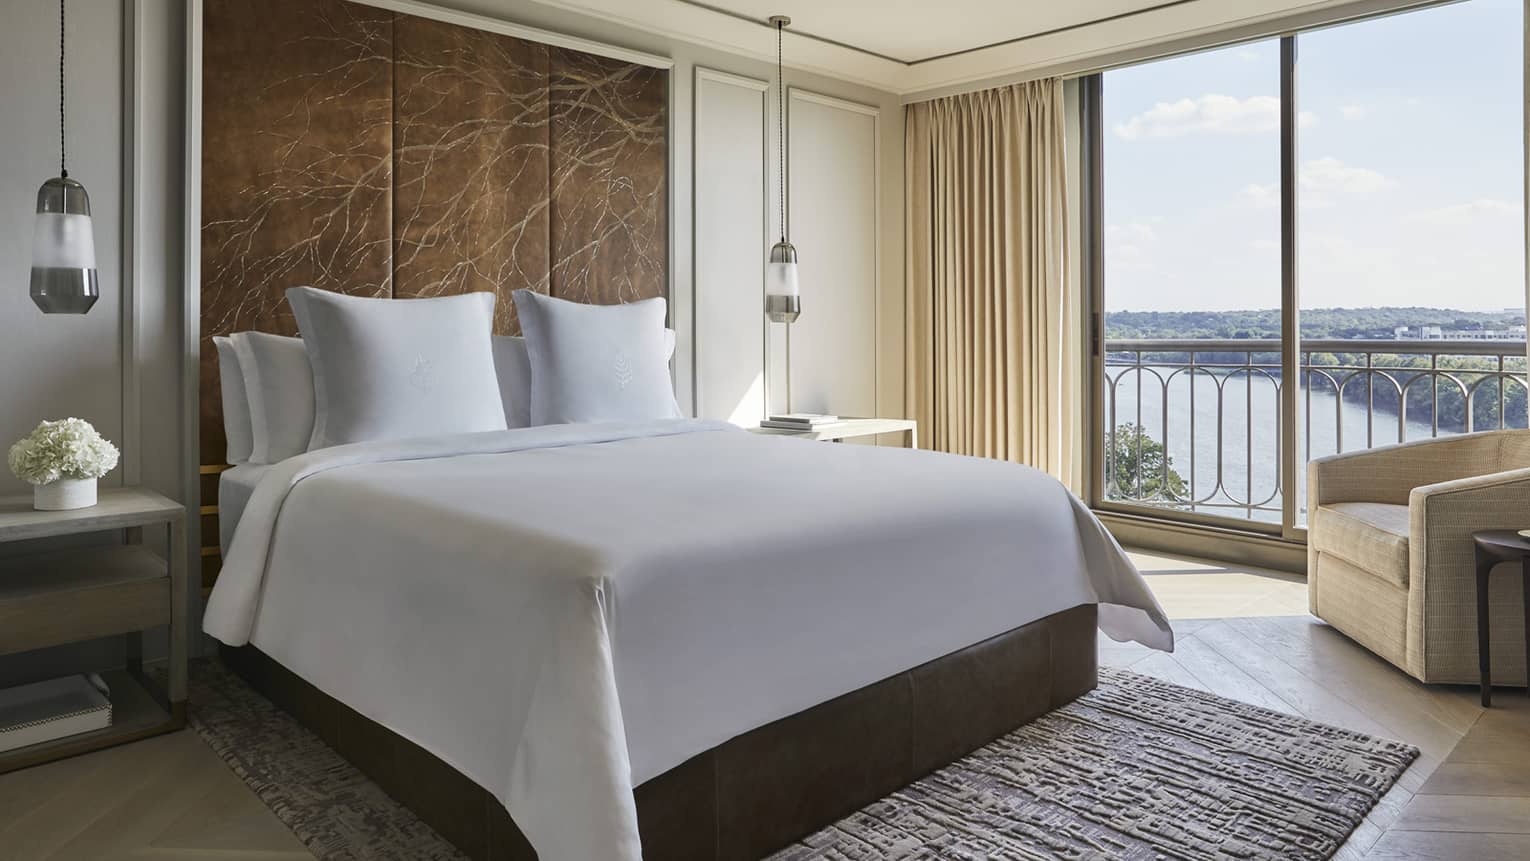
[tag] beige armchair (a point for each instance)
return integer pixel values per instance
(1389, 550)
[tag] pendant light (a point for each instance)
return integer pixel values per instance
(63, 243)
(782, 300)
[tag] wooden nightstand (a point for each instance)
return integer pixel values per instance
(67, 596)
(847, 428)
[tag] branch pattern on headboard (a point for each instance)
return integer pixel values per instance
(354, 149)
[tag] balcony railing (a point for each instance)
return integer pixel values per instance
(1194, 425)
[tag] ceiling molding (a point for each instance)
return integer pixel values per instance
(710, 29)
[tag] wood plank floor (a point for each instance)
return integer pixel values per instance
(1242, 633)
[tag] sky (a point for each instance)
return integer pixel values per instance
(1411, 169)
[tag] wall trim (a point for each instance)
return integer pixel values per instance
(131, 237)
(520, 31)
(699, 74)
(798, 94)
(191, 311)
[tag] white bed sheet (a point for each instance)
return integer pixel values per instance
(564, 612)
(235, 485)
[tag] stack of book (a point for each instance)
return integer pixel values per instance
(799, 421)
(44, 711)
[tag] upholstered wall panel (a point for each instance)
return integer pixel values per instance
(470, 163)
(609, 179)
(297, 145)
(359, 150)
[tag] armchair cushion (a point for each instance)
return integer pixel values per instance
(1372, 536)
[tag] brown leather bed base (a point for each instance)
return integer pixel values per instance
(760, 791)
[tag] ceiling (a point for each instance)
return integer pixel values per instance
(914, 31)
(925, 48)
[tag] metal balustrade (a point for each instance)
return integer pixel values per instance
(1368, 392)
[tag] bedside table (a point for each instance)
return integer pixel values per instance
(66, 596)
(848, 428)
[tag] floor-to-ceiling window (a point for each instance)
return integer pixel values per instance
(1383, 268)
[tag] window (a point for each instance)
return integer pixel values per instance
(1394, 240)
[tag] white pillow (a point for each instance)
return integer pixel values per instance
(236, 405)
(513, 367)
(595, 363)
(279, 386)
(398, 368)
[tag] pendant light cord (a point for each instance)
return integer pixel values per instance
(63, 170)
(781, 128)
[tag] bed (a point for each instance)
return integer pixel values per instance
(595, 638)
(574, 616)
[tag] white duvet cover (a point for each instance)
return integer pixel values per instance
(564, 612)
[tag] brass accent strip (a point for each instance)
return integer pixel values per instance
(214, 468)
(211, 551)
(209, 509)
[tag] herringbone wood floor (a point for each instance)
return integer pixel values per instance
(1243, 634)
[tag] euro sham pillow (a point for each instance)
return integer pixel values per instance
(237, 433)
(398, 368)
(596, 363)
(279, 386)
(513, 367)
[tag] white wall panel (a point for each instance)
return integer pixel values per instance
(730, 161)
(834, 149)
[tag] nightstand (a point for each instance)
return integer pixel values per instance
(848, 428)
(71, 595)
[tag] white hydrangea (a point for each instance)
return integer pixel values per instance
(70, 448)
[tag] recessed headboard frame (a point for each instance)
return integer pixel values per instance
(332, 154)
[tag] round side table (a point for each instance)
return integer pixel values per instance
(1494, 546)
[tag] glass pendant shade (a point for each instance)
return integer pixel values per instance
(64, 277)
(782, 301)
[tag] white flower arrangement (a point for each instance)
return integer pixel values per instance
(70, 448)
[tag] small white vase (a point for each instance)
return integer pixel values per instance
(64, 494)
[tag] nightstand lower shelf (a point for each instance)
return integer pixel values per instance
(136, 713)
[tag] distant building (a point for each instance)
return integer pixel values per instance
(1438, 333)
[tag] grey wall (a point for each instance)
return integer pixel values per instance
(53, 367)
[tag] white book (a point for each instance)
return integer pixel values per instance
(803, 419)
(44, 711)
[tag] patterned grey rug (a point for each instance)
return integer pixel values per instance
(1138, 769)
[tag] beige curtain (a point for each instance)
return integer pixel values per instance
(994, 353)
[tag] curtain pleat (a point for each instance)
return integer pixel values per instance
(993, 335)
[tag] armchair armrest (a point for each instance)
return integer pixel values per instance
(1441, 563)
(1390, 473)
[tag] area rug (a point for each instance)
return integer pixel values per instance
(1137, 769)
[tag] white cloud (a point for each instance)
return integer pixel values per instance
(1320, 180)
(1135, 232)
(1355, 112)
(1208, 114)
(1323, 176)
(1465, 214)
(1262, 196)
(1129, 246)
